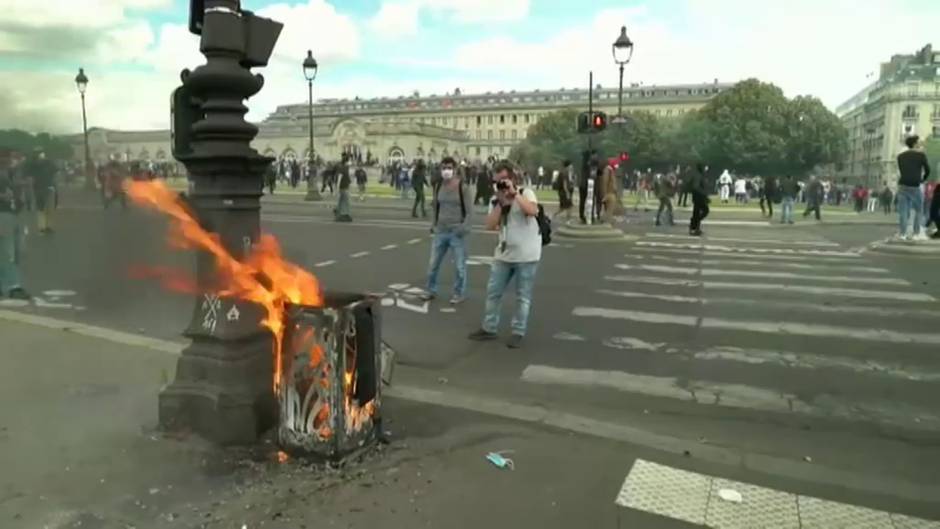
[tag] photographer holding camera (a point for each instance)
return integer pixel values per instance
(513, 214)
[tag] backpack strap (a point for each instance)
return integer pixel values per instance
(437, 202)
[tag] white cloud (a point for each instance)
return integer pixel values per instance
(804, 46)
(73, 13)
(399, 18)
(396, 19)
(314, 25)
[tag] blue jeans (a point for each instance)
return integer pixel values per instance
(9, 252)
(500, 275)
(442, 241)
(786, 215)
(910, 200)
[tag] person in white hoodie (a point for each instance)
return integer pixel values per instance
(724, 186)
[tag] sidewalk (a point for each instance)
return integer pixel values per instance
(79, 451)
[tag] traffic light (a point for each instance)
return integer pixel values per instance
(592, 122)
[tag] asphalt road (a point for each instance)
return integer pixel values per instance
(778, 341)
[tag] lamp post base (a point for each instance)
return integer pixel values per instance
(222, 391)
(313, 191)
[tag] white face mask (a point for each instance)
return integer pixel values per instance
(447, 174)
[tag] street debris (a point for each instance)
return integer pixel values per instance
(442, 380)
(808, 459)
(730, 495)
(501, 461)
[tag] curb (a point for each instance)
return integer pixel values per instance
(919, 249)
(593, 233)
(581, 424)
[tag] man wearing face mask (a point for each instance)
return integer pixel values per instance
(514, 215)
(451, 227)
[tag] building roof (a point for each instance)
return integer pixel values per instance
(458, 101)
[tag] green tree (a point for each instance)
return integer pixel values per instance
(22, 141)
(932, 148)
(754, 128)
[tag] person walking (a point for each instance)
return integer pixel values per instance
(563, 187)
(814, 194)
(886, 198)
(915, 170)
(42, 173)
(343, 211)
(699, 200)
(665, 188)
(724, 186)
(789, 189)
(11, 201)
(361, 179)
(418, 181)
(514, 215)
(769, 193)
(451, 228)
(682, 184)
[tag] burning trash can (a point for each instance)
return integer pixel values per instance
(330, 377)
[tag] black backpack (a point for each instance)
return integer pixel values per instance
(545, 226)
(545, 223)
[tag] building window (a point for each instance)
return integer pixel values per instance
(912, 89)
(910, 112)
(936, 112)
(936, 131)
(502, 134)
(479, 120)
(489, 135)
(489, 119)
(515, 134)
(478, 151)
(515, 119)
(502, 119)
(526, 118)
(479, 134)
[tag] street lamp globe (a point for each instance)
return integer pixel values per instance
(81, 81)
(623, 47)
(310, 66)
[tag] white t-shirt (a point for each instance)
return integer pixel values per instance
(740, 186)
(519, 238)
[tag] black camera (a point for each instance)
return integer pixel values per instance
(502, 185)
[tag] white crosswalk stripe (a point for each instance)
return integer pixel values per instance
(807, 306)
(745, 262)
(723, 272)
(732, 249)
(744, 241)
(771, 287)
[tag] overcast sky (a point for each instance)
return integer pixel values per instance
(133, 50)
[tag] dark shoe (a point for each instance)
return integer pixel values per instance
(19, 293)
(482, 336)
(515, 341)
(936, 235)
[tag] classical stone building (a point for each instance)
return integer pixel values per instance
(904, 100)
(473, 126)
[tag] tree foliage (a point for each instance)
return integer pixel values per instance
(751, 128)
(26, 143)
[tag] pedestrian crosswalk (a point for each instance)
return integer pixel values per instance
(800, 326)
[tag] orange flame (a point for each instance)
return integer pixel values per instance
(263, 277)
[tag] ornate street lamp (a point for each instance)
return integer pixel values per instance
(310, 73)
(81, 81)
(623, 52)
